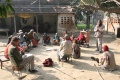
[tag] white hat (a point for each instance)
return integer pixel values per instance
(20, 31)
(31, 30)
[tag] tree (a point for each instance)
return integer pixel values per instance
(79, 11)
(111, 6)
(5, 8)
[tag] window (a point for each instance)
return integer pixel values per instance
(66, 20)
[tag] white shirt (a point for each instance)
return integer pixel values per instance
(65, 47)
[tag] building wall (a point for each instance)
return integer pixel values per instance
(58, 23)
(66, 22)
(110, 22)
(115, 22)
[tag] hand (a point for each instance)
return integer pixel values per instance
(99, 64)
(22, 50)
(97, 29)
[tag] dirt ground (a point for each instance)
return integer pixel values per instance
(78, 69)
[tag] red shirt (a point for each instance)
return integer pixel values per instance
(6, 50)
(81, 36)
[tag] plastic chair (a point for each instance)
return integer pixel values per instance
(66, 58)
(3, 59)
(19, 69)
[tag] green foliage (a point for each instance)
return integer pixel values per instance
(82, 26)
(109, 4)
(5, 8)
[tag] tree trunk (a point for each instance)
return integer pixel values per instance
(118, 20)
(88, 22)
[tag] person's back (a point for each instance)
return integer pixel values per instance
(111, 64)
(81, 37)
(35, 36)
(76, 50)
(30, 34)
(22, 39)
(66, 47)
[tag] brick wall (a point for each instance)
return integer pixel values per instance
(112, 21)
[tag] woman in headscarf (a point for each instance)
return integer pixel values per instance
(76, 49)
(35, 39)
(107, 60)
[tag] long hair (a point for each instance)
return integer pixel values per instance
(99, 23)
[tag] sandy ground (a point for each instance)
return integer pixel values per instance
(78, 69)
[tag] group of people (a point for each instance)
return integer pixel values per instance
(107, 60)
(69, 46)
(17, 46)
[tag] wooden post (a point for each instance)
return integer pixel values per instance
(15, 23)
(36, 24)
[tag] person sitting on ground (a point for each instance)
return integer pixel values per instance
(19, 32)
(56, 39)
(65, 33)
(26, 37)
(23, 43)
(81, 39)
(46, 39)
(107, 60)
(72, 38)
(35, 39)
(35, 36)
(65, 50)
(76, 49)
(30, 34)
(17, 59)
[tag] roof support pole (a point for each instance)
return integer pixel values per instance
(36, 24)
(15, 23)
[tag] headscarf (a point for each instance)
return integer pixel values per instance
(81, 36)
(105, 48)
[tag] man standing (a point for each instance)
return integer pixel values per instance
(16, 57)
(99, 36)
